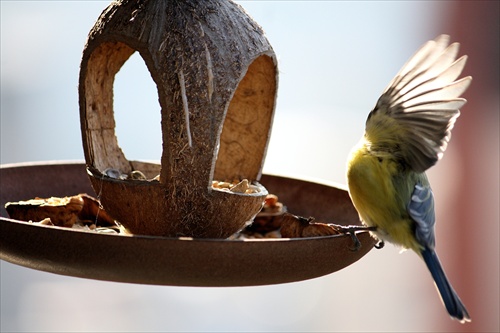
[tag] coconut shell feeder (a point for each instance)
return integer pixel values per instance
(216, 77)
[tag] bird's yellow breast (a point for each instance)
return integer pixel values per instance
(380, 192)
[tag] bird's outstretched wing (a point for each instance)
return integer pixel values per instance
(424, 100)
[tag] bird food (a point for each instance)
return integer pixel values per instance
(79, 212)
(83, 212)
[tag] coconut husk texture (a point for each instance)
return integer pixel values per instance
(216, 76)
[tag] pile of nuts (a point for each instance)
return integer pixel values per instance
(267, 223)
(236, 186)
(84, 212)
(80, 211)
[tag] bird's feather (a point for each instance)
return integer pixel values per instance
(450, 298)
(421, 210)
(424, 100)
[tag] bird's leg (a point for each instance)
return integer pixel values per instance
(351, 231)
(357, 243)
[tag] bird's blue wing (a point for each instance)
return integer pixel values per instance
(421, 210)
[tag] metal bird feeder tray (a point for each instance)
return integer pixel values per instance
(216, 76)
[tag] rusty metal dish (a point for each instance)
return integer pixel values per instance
(174, 261)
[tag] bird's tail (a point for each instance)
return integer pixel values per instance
(452, 302)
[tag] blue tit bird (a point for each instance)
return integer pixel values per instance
(405, 134)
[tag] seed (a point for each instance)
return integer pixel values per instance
(241, 187)
(112, 173)
(137, 175)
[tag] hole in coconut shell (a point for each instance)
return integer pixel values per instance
(247, 124)
(137, 111)
(101, 135)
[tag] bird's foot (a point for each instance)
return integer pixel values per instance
(379, 245)
(351, 231)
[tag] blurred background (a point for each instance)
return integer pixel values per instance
(335, 58)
